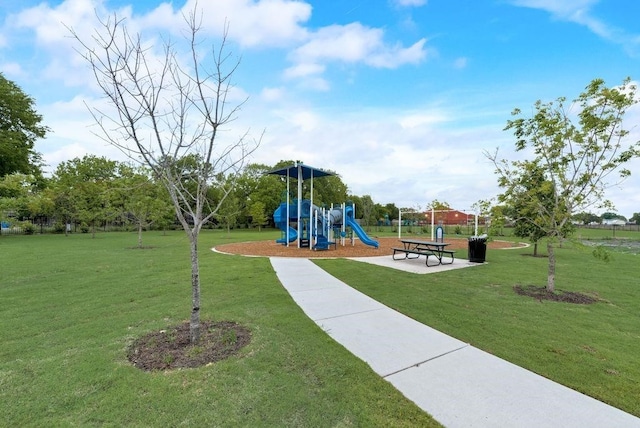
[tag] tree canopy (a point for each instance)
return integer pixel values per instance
(20, 127)
(577, 152)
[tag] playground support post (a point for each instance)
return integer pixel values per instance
(476, 225)
(299, 225)
(433, 219)
(288, 212)
(343, 229)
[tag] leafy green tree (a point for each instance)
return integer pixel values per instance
(530, 203)
(438, 206)
(635, 218)
(367, 211)
(82, 188)
(258, 216)
(327, 190)
(498, 220)
(586, 218)
(141, 200)
(40, 206)
(228, 213)
(612, 216)
(16, 190)
(255, 185)
(20, 127)
(392, 210)
(578, 153)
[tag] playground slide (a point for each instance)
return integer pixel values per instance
(280, 218)
(360, 232)
(292, 235)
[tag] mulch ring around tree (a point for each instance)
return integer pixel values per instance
(171, 348)
(541, 294)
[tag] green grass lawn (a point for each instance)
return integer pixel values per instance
(72, 305)
(591, 348)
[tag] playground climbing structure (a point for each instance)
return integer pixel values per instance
(315, 228)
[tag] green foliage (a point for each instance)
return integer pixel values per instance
(16, 193)
(82, 190)
(366, 211)
(601, 253)
(27, 228)
(258, 216)
(438, 206)
(228, 212)
(140, 200)
(613, 216)
(587, 218)
(20, 127)
(635, 218)
(574, 159)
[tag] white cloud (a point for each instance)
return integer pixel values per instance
(256, 23)
(410, 3)
(353, 43)
(564, 9)
(460, 63)
(272, 94)
(579, 12)
(421, 119)
(49, 23)
(303, 70)
(350, 44)
(12, 69)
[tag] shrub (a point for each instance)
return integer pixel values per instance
(28, 228)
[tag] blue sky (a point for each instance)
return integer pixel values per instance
(399, 97)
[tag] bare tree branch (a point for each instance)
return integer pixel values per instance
(167, 115)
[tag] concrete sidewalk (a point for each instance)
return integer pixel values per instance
(459, 385)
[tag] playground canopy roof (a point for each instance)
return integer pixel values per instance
(300, 169)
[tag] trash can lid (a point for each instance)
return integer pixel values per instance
(482, 237)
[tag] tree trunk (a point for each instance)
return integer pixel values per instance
(551, 276)
(194, 325)
(139, 234)
(535, 249)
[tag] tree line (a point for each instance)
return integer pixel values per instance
(92, 192)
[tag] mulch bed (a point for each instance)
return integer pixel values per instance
(541, 294)
(270, 248)
(171, 348)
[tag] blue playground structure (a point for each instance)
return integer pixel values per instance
(316, 228)
(320, 227)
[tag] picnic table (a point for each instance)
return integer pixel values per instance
(413, 249)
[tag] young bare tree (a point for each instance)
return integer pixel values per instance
(168, 114)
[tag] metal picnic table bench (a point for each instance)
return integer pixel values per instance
(412, 249)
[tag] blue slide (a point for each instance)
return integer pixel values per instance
(291, 236)
(280, 219)
(358, 230)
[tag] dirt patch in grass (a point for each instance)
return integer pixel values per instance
(171, 348)
(541, 294)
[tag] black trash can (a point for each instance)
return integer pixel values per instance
(477, 248)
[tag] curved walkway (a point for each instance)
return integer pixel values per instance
(459, 385)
